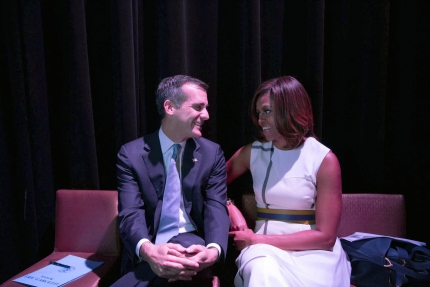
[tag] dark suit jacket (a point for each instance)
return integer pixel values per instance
(141, 180)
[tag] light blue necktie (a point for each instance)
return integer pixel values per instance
(169, 220)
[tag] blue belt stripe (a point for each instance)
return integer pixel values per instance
(285, 216)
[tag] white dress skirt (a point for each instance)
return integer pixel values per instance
(287, 180)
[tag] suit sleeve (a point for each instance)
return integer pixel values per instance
(216, 220)
(132, 222)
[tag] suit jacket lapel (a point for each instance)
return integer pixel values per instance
(153, 159)
(191, 160)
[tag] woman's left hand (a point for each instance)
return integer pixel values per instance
(243, 238)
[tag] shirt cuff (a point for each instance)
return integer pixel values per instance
(216, 246)
(141, 241)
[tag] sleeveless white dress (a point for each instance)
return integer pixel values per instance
(287, 180)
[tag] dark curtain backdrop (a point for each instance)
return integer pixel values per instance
(78, 80)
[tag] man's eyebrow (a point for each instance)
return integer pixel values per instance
(200, 104)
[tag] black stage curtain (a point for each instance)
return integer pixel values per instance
(78, 80)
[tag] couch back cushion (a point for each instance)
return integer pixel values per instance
(382, 214)
(86, 221)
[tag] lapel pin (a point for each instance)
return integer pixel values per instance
(195, 160)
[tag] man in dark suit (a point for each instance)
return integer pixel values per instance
(202, 231)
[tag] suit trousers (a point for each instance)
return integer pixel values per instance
(143, 276)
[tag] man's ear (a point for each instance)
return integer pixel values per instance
(169, 107)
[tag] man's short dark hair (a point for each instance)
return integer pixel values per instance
(170, 88)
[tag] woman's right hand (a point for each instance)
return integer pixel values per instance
(243, 238)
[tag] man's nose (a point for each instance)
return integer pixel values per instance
(205, 114)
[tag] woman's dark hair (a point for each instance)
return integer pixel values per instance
(292, 109)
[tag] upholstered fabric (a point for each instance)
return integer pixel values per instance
(86, 221)
(86, 227)
(383, 214)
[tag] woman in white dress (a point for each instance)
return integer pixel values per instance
(297, 186)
